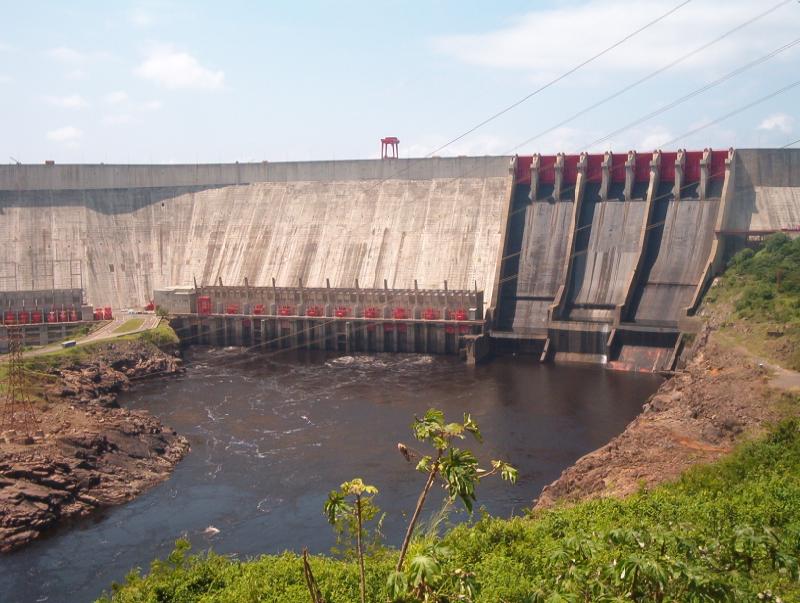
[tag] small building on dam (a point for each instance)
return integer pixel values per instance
(593, 257)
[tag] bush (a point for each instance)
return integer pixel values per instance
(766, 284)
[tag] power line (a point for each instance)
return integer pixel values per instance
(562, 76)
(790, 144)
(696, 92)
(734, 112)
(653, 74)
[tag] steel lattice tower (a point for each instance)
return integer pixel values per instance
(17, 412)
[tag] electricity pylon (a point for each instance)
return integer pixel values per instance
(17, 412)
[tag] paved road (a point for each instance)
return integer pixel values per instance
(106, 331)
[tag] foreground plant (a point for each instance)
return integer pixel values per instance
(457, 469)
(349, 507)
(351, 516)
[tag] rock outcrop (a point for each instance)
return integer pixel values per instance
(89, 453)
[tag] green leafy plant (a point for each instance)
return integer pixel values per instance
(352, 515)
(457, 469)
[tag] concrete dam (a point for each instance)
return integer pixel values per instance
(593, 257)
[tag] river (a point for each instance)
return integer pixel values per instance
(271, 435)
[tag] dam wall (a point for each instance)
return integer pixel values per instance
(400, 223)
(592, 257)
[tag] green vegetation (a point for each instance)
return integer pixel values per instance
(761, 290)
(768, 281)
(725, 532)
(130, 325)
(161, 336)
(425, 578)
(351, 517)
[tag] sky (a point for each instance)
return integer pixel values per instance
(162, 81)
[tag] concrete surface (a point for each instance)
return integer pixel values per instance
(133, 240)
(767, 190)
(542, 257)
(87, 176)
(677, 251)
(605, 256)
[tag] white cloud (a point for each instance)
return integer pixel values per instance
(141, 17)
(75, 74)
(72, 101)
(5, 47)
(67, 134)
(153, 105)
(64, 54)
(116, 97)
(653, 140)
(5, 79)
(174, 69)
(779, 122)
(549, 41)
(117, 119)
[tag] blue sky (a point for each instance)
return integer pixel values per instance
(165, 81)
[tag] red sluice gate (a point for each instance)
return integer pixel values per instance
(204, 305)
(315, 311)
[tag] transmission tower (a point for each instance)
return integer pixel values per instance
(17, 412)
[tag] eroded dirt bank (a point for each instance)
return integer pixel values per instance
(696, 416)
(91, 453)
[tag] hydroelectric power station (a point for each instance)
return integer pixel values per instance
(590, 257)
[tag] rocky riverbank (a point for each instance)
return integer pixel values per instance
(696, 416)
(89, 453)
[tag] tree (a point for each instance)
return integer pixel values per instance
(338, 510)
(457, 469)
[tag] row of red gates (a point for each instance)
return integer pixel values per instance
(33, 317)
(204, 308)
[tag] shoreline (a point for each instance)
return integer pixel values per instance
(723, 396)
(92, 453)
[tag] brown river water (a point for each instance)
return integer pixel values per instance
(271, 435)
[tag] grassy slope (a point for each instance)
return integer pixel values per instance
(762, 292)
(129, 325)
